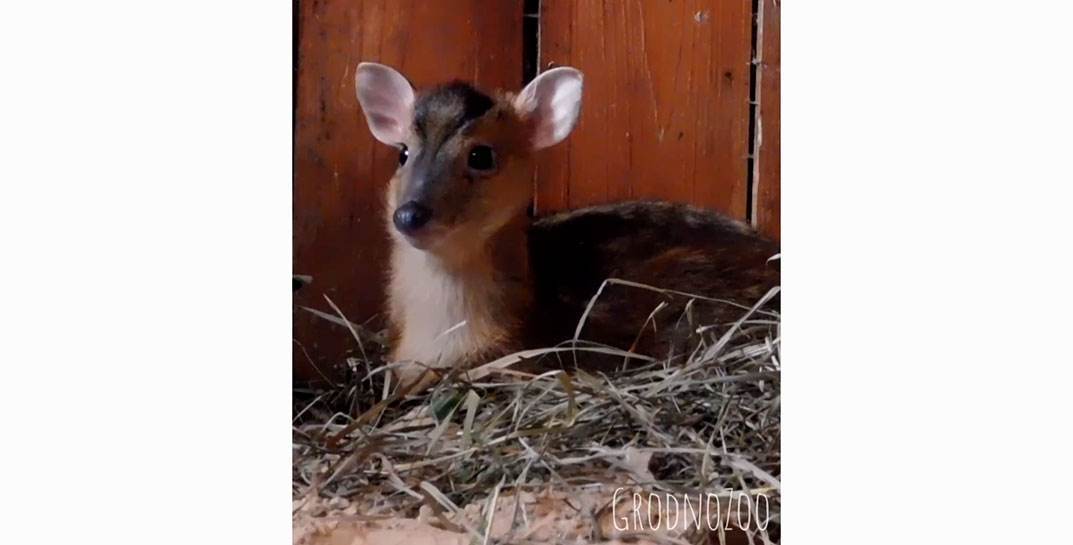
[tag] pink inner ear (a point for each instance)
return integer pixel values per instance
(386, 99)
(384, 123)
(552, 101)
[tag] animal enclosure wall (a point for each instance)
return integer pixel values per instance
(681, 103)
(666, 111)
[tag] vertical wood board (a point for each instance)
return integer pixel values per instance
(766, 180)
(666, 105)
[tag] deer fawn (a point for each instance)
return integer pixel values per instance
(473, 277)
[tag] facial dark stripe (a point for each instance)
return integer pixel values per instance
(446, 108)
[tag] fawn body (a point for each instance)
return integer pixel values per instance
(473, 277)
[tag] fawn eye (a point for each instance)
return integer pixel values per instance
(404, 154)
(482, 158)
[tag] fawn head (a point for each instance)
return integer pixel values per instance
(464, 156)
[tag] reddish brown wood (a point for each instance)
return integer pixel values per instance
(767, 168)
(666, 105)
(340, 170)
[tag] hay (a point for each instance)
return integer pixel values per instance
(706, 425)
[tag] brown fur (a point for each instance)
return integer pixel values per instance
(487, 280)
(670, 246)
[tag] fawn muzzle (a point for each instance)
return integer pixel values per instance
(411, 217)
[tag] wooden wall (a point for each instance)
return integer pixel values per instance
(768, 163)
(666, 115)
(666, 111)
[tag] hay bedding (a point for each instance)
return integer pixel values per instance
(496, 456)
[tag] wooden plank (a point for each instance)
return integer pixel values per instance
(666, 106)
(340, 170)
(767, 167)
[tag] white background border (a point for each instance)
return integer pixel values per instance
(146, 224)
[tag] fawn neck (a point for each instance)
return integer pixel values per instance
(464, 305)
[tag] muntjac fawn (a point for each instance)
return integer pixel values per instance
(473, 277)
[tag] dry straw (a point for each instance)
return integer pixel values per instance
(706, 421)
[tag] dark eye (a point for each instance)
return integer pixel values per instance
(482, 158)
(404, 154)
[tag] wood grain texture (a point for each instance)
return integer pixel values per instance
(340, 171)
(666, 105)
(767, 168)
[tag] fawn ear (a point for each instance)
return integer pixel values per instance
(387, 100)
(551, 103)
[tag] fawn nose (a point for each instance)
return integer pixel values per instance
(411, 217)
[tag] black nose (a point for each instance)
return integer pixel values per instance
(411, 216)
